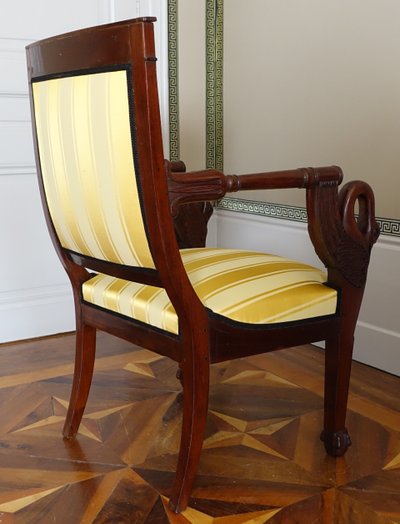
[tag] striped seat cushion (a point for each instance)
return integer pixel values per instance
(244, 286)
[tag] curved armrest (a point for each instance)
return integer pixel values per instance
(210, 184)
(342, 241)
(301, 178)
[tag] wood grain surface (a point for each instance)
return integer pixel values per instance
(261, 461)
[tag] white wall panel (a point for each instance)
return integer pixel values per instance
(16, 143)
(16, 150)
(35, 295)
(42, 18)
(12, 62)
(14, 107)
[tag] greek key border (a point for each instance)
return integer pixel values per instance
(214, 84)
(266, 209)
(389, 226)
(173, 85)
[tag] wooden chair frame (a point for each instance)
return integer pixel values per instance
(342, 242)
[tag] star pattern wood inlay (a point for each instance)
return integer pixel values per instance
(262, 461)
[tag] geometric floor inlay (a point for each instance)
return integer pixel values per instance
(262, 461)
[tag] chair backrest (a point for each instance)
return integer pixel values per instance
(98, 143)
(87, 163)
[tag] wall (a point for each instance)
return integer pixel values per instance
(192, 83)
(314, 82)
(35, 297)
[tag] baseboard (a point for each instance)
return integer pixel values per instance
(36, 312)
(377, 347)
(377, 336)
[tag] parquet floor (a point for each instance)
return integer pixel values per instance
(262, 460)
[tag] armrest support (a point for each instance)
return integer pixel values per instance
(342, 241)
(190, 219)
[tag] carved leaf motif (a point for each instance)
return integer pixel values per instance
(352, 260)
(191, 224)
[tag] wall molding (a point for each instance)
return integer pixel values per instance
(173, 80)
(14, 45)
(214, 84)
(41, 295)
(14, 94)
(389, 226)
(17, 169)
(266, 209)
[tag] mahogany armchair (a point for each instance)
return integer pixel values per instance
(110, 200)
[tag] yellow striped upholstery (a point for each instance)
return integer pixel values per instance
(85, 148)
(241, 285)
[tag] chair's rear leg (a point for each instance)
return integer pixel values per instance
(84, 363)
(195, 380)
(338, 355)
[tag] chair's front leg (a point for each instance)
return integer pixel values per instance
(338, 360)
(343, 241)
(335, 436)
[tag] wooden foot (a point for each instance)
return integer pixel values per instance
(336, 443)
